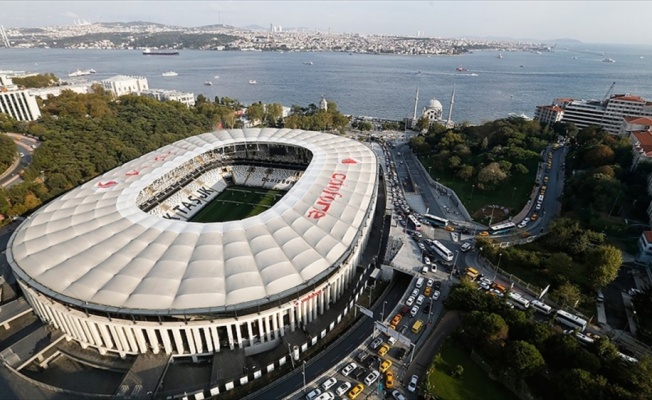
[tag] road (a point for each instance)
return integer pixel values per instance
(12, 175)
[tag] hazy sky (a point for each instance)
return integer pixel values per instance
(588, 21)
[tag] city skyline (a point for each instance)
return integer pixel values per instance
(537, 20)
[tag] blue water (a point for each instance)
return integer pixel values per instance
(374, 85)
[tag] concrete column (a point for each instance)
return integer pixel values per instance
(187, 332)
(123, 345)
(321, 300)
(261, 330)
(328, 296)
(229, 332)
(178, 341)
(92, 326)
(206, 331)
(250, 332)
(238, 332)
(88, 338)
(268, 328)
(199, 344)
(216, 338)
(281, 326)
(131, 339)
(153, 340)
(274, 318)
(140, 339)
(167, 344)
(106, 336)
(291, 313)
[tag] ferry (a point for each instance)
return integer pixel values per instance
(169, 73)
(82, 73)
(208, 83)
(611, 60)
(149, 52)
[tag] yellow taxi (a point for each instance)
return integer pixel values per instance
(383, 349)
(534, 217)
(355, 392)
(389, 380)
(428, 291)
(449, 228)
(384, 366)
(483, 233)
(545, 179)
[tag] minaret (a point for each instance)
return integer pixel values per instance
(416, 102)
(449, 123)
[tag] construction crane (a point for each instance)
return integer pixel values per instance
(606, 96)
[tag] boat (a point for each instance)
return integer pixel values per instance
(208, 83)
(460, 69)
(216, 77)
(149, 52)
(252, 82)
(500, 55)
(307, 62)
(608, 60)
(169, 73)
(474, 74)
(574, 57)
(82, 73)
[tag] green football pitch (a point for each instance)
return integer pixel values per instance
(238, 202)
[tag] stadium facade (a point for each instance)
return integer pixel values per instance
(116, 264)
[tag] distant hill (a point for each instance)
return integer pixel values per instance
(564, 41)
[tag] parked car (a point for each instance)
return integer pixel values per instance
(355, 392)
(343, 388)
(465, 247)
(313, 394)
(412, 386)
(376, 342)
(410, 301)
(371, 378)
(349, 368)
(328, 383)
(430, 282)
(435, 295)
(385, 365)
(383, 350)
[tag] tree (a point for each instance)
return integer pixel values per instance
(256, 113)
(578, 384)
(490, 176)
(559, 264)
(484, 326)
(568, 294)
(602, 265)
(522, 359)
(599, 155)
(458, 371)
(465, 172)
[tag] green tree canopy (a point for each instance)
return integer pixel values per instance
(602, 265)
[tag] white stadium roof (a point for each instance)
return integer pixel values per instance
(94, 247)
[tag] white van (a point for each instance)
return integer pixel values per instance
(420, 282)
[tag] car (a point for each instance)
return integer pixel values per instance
(545, 179)
(538, 206)
(427, 292)
(420, 299)
(313, 394)
(449, 228)
(421, 246)
(389, 380)
(404, 310)
(359, 373)
(430, 282)
(465, 247)
(371, 378)
(437, 285)
(403, 329)
(328, 383)
(418, 235)
(355, 392)
(412, 386)
(391, 340)
(426, 308)
(369, 362)
(414, 311)
(426, 260)
(397, 395)
(634, 292)
(385, 365)
(362, 355)
(435, 295)
(349, 368)
(400, 353)
(325, 396)
(415, 292)
(376, 342)
(424, 269)
(483, 233)
(534, 217)
(523, 223)
(383, 350)
(409, 301)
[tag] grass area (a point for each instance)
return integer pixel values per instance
(512, 194)
(474, 382)
(238, 202)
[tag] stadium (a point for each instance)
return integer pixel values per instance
(224, 240)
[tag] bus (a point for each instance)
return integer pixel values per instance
(472, 273)
(414, 222)
(570, 320)
(441, 250)
(541, 307)
(501, 228)
(519, 301)
(435, 220)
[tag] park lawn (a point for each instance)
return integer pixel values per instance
(513, 194)
(474, 383)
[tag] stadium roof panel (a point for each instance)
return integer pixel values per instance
(94, 246)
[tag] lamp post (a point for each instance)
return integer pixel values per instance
(304, 377)
(513, 193)
(472, 189)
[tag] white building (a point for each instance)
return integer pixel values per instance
(122, 84)
(644, 255)
(170, 95)
(17, 103)
(79, 88)
(433, 111)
